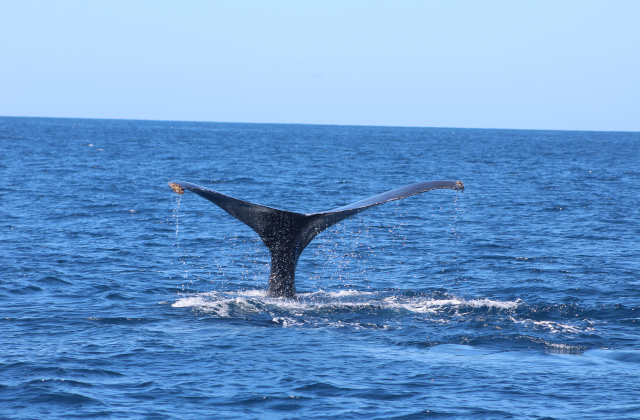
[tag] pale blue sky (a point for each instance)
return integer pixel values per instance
(571, 65)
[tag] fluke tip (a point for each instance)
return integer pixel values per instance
(177, 188)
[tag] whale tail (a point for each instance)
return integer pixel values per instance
(286, 234)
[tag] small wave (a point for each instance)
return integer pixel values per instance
(341, 293)
(560, 348)
(53, 280)
(552, 326)
(118, 320)
(61, 398)
(433, 305)
(363, 309)
(217, 304)
(287, 321)
(27, 289)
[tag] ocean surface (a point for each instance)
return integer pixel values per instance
(519, 298)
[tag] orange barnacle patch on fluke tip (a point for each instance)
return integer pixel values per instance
(458, 183)
(177, 188)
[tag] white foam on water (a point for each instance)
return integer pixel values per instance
(425, 305)
(360, 309)
(256, 301)
(552, 326)
(186, 302)
(341, 293)
(257, 293)
(561, 346)
(508, 305)
(216, 304)
(287, 321)
(557, 327)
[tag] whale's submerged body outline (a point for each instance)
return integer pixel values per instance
(286, 234)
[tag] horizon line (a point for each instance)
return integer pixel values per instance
(318, 124)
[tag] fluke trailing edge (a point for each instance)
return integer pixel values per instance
(287, 234)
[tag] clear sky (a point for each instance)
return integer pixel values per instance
(570, 65)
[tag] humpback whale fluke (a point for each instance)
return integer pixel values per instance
(286, 233)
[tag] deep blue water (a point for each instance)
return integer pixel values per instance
(519, 298)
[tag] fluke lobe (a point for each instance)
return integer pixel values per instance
(287, 234)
